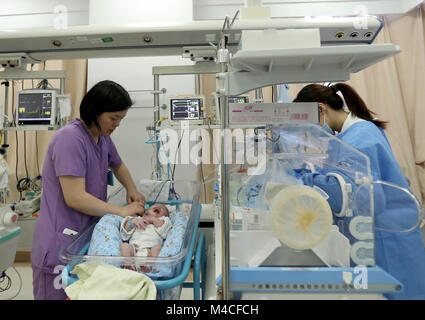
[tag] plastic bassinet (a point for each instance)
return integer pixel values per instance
(176, 268)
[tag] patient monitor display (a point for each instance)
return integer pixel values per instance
(36, 107)
(238, 99)
(187, 108)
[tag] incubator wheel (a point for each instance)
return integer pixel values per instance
(302, 218)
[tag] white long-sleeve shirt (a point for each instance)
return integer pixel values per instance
(148, 237)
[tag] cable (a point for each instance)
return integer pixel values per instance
(159, 192)
(202, 177)
(4, 277)
(26, 184)
(16, 137)
(203, 182)
(17, 157)
(32, 80)
(13, 103)
(25, 143)
(36, 153)
(174, 169)
(178, 147)
(25, 153)
(150, 134)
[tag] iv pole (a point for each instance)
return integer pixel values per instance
(223, 61)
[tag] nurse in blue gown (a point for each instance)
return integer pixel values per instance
(402, 254)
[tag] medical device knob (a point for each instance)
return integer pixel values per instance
(10, 218)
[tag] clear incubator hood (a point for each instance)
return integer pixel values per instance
(280, 218)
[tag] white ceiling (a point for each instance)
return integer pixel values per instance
(42, 13)
(217, 9)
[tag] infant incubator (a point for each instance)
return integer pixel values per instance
(288, 234)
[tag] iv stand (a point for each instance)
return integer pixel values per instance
(223, 61)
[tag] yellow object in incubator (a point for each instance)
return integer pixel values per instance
(301, 217)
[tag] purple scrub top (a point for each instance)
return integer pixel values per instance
(71, 152)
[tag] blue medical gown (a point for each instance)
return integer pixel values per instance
(402, 254)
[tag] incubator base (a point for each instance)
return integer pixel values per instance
(299, 274)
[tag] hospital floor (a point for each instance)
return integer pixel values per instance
(21, 284)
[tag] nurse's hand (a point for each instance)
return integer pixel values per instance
(134, 208)
(135, 196)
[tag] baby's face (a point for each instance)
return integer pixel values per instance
(157, 210)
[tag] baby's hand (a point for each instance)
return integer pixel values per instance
(157, 222)
(139, 222)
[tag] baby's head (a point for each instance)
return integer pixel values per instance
(157, 210)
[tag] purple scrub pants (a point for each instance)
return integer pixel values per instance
(45, 287)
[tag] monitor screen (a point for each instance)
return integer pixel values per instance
(35, 108)
(238, 99)
(185, 109)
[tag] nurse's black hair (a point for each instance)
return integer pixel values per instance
(328, 95)
(104, 96)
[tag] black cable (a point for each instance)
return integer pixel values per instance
(5, 277)
(16, 137)
(23, 185)
(176, 195)
(25, 153)
(13, 103)
(36, 153)
(17, 157)
(203, 182)
(32, 80)
(175, 158)
(202, 177)
(174, 169)
(25, 143)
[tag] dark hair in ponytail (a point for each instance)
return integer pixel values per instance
(328, 95)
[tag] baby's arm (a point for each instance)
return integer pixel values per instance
(126, 226)
(157, 222)
(125, 230)
(164, 224)
(140, 222)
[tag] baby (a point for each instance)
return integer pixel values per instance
(148, 234)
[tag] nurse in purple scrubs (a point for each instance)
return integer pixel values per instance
(75, 175)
